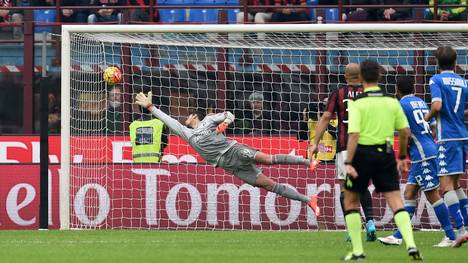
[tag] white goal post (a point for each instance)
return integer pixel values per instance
(215, 68)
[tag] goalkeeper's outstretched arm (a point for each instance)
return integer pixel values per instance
(173, 124)
(226, 116)
(223, 120)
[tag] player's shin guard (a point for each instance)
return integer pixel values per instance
(403, 222)
(290, 193)
(451, 199)
(289, 159)
(442, 214)
(353, 224)
(463, 204)
(366, 203)
(410, 207)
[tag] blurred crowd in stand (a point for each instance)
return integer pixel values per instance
(260, 113)
(281, 12)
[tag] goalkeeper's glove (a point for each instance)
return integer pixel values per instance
(222, 127)
(143, 100)
(229, 118)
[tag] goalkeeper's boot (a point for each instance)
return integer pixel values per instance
(313, 164)
(351, 256)
(313, 204)
(414, 254)
(371, 233)
(390, 240)
(460, 241)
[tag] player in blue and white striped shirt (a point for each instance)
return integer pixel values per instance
(424, 168)
(449, 93)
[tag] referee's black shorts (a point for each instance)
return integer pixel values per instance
(373, 162)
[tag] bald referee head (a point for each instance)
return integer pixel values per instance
(352, 74)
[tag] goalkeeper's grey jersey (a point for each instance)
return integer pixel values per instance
(210, 145)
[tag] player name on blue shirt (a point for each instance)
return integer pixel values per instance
(452, 90)
(422, 145)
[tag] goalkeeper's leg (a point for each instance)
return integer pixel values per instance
(286, 191)
(264, 158)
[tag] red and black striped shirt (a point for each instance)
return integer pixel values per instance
(338, 104)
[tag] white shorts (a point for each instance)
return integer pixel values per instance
(340, 166)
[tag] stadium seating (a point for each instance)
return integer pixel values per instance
(44, 16)
(232, 16)
(173, 15)
(210, 15)
(332, 15)
(207, 16)
(312, 11)
(232, 13)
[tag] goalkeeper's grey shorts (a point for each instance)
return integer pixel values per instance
(240, 161)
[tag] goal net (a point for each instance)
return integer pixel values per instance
(275, 79)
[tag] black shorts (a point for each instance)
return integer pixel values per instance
(373, 162)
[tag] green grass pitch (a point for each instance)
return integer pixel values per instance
(205, 246)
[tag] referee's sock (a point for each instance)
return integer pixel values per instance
(403, 222)
(289, 192)
(451, 199)
(353, 224)
(289, 159)
(410, 207)
(463, 204)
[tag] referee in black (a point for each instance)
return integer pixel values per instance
(373, 118)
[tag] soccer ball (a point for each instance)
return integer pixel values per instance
(112, 75)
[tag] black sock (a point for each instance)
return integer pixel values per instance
(342, 202)
(366, 203)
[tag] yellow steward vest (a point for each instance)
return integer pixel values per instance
(327, 145)
(145, 137)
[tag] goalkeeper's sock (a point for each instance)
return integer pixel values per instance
(410, 207)
(463, 204)
(290, 193)
(403, 221)
(353, 224)
(366, 203)
(442, 214)
(289, 159)
(451, 200)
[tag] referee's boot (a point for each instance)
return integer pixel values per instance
(351, 256)
(414, 254)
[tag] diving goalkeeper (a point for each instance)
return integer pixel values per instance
(205, 135)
